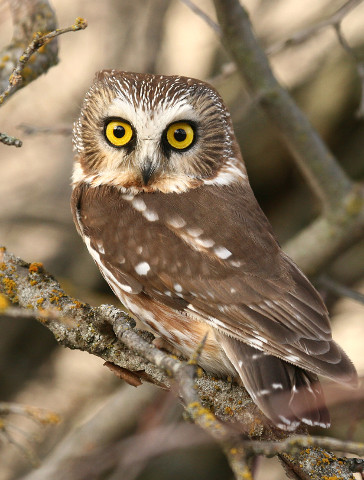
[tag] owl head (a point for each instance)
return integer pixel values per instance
(143, 132)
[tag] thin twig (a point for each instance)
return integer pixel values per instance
(39, 415)
(359, 64)
(36, 130)
(38, 41)
(304, 34)
(339, 289)
(301, 36)
(200, 13)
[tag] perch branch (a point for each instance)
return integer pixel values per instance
(109, 333)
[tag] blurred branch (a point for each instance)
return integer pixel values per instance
(200, 13)
(302, 35)
(120, 413)
(342, 220)
(340, 290)
(40, 415)
(37, 130)
(326, 178)
(359, 64)
(78, 325)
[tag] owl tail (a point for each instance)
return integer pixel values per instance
(286, 394)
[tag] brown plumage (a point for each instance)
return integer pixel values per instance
(162, 200)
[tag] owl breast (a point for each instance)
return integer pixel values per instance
(125, 236)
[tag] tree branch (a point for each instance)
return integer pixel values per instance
(78, 325)
(17, 78)
(342, 221)
(34, 28)
(326, 178)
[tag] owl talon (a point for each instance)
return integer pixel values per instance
(162, 344)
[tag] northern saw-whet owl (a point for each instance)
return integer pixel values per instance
(162, 200)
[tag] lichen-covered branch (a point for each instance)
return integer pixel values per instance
(34, 28)
(322, 172)
(110, 333)
(40, 40)
(29, 17)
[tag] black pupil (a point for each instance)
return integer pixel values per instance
(119, 131)
(180, 134)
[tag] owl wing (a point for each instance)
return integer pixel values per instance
(207, 254)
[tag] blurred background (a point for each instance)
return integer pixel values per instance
(120, 432)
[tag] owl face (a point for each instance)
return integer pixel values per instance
(148, 133)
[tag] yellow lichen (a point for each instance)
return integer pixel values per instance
(10, 287)
(35, 267)
(4, 303)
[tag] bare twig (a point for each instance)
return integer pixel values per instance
(301, 36)
(340, 290)
(306, 33)
(39, 415)
(38, 41)
(359, 64)
(37, 130)
(200, 13)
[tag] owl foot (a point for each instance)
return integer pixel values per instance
(163, 344)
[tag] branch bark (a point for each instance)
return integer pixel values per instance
(342, 221)
(326, 178)
(110, 334)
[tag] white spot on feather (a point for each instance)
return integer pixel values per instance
(292, 358)
(125, 288)
(194, 232)
(177, 287)
(235, 263)
(207, 243)
(139, 204)
(151, 215)
(277, 386)
(176, 222)
(222, 252)
(142, 268)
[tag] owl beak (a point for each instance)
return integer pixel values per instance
(147, 171)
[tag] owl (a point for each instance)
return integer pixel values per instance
(162, 200)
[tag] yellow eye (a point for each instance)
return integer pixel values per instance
(180, 135)
(118, 133)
